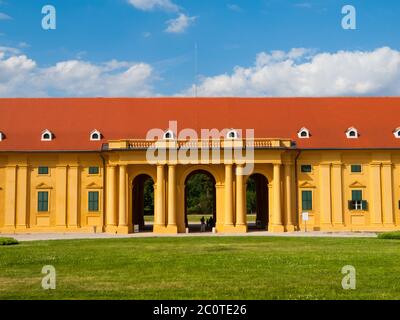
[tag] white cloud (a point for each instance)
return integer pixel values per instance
(149, 5)
(303, 5)
(4, 16)
(234, 7)
(146, 34)
(9, 50)
(20, 76)
(302, 72)
(180, 24)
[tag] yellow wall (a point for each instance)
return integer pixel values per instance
(69, 183)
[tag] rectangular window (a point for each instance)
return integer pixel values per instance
(93, 201)
(43, 201)
(306, 168)
(94, 170)
(356, 168)
(43, 170)
(356, 195)
(356, 202)
(306, 198)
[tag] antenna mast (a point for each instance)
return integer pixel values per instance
(195, 69)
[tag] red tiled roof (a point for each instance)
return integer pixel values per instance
(71, 120)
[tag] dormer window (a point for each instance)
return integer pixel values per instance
(303, 133)
(47, 135)
(2, 136)
(95, 135)
(396, 133)
(169, 135)
(232, 134)
(352, 133)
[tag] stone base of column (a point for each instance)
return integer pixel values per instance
(172, 229)
(159, 228)
(290, 228)
(229, 228)
(339, 226)
(111, 229)
(326, 227)
(123, 230)
(21, 227)
(242, 228)
(388, 225)
(61, 228)
(8, 229)
(78, 229)
(276, 228)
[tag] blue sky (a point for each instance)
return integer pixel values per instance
(229, 34)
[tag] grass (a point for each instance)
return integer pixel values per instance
(390, 235)
(8, 241)
(202, 268)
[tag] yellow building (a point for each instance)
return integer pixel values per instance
(80, 165)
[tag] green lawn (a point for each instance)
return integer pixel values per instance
(202, 268)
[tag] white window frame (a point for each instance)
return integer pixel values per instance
(396, 133)
(348, 133)
(303, 130)
(1, 136)
(169, 133)
(358, 205)
(235, 134)
(93, 133)
(45, 132)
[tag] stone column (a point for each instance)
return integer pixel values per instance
(111, 200)
(337, 195)
(122, 222)
(159, 218)
(295, 216)
(375, 204)
(289, 225)
(325, 196)
(61, 196)
(10, 197)
(22, 196)
(172, 227)
(241, 217)
(387, 194)
(228, 224)
(277, 225)
(73, 196)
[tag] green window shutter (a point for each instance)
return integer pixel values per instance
(351, 205)
(306, 198)
(364, 205)
(43, 170)
(306, 168)
(94, 170)
(43, 201)
(356, 168)
(93, 201)
(356, 195)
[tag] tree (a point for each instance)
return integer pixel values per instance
(200, 194)
(148, 194)
(251, 196)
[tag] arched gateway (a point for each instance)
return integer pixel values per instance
(257, 197)
(200, 200)
(142, 203)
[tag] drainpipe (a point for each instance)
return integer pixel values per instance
(296, 186)
(104, 191)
